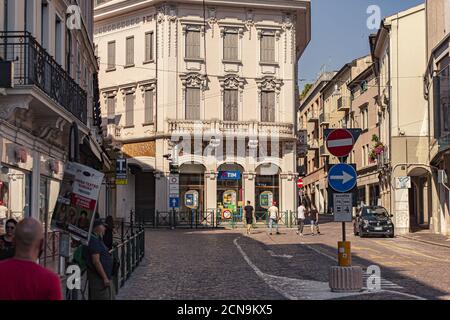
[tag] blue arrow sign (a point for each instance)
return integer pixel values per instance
(342, 177)
(174, 202)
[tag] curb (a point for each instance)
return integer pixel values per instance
(425, 241)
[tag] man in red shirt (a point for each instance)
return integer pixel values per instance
(22, 278)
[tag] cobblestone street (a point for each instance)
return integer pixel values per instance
(226, 264)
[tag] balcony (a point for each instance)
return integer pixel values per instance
(313, 144)
(344, 104)
(313, 116)
(236, 128)
(324, 119)
(324, 151)
(34, 66)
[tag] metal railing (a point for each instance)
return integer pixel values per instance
(129, 253)
(33, 65)
(128, 250)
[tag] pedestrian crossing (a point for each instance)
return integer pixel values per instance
(370, 282)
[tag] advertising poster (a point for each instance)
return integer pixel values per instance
(77, 201)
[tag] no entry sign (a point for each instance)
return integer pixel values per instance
(300, 183)
(340, 142)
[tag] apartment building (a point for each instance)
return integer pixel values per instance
(437, 92)
(399, 53)
(364, 115)
(51, 87)
(311, 119)
(224, 81)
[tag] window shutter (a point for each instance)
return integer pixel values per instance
(230, 46)
(149, 46)
(110, 108)
(148, 106)
(111, 54)
(264, 106)
(193, 104)
(267, 48)
(129, 106)
(130, 51)
(271, 106)
(193, 44)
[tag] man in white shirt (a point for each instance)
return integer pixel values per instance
(301, 219)
(273, 217)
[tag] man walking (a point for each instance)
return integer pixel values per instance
(249, 216)
(314, 216)
(274, 217)
(100, 265)
(22, 278)
(301, 219)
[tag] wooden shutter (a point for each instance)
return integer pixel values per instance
(268, 48)
(193, 104)
(110, 109)
(264, 110)
(271, 106)
(130, 51)
(111, 55)
(149, 46)
(129, 112)
(148, 106)
(230, 46)
(234, 105)
(230, 105)
(192, 44)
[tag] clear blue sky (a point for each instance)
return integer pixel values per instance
(339, 33)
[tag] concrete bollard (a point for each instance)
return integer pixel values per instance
(346, 279)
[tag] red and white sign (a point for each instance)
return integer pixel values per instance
(340, 142)
(300, 183)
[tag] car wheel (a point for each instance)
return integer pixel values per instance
(361, 233)
(391, 235)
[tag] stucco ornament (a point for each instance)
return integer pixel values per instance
(194, 80)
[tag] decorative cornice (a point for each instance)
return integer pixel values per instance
(194, 80)
(232, 81)
(269, 84)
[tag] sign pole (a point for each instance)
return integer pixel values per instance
(342, 179)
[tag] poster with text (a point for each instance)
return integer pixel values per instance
(77, 201)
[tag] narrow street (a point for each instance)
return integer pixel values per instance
(226, 264)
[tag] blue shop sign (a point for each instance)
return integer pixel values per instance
(229, 175)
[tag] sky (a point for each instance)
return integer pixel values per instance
(340, 34)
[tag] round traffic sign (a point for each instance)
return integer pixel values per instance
(300, 183)
(340, 142)
(342, 177)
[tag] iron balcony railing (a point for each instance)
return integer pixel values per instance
(33, 65)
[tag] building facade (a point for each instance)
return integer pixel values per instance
(364, 115)
(51, 87)
(399, 53)
(437, 92)
(312, 117)
(215, 91)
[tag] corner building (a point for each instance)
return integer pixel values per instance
(215, 86)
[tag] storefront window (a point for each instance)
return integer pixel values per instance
(230, 193)
(14, 193)
(266, 192)
(191, 187)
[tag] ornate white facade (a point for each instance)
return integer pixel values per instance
(174, 69)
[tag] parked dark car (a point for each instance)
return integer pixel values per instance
(373, 220)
